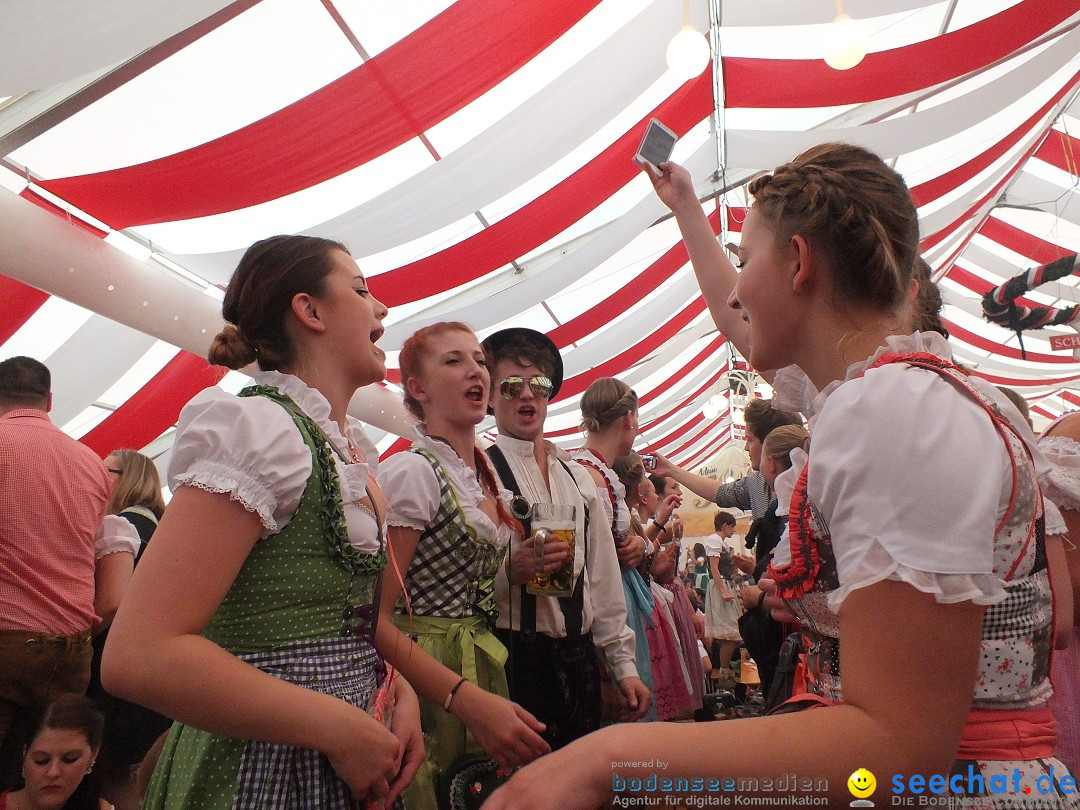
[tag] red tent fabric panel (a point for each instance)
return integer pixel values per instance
(1002, 350)
(697, 421)
(621, 362)
(1042, 412)
(597, 317)
(981, 286)
(403, 91)
(703, 356)
(399, 445)
(944, 233)
(41, 202)
(690, 424)
(20, 302)
(706, 355)
(725, 437)
(547, 215)
(1061, 150)
(790, 83)
(680, 404)
(154, 407)
(943, 184)
(1026, 244)
(1016, 382)
(697, 437)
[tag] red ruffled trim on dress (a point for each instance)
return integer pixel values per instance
(799, 576)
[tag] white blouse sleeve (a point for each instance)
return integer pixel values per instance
(114, 535)
(246, 447)
(1062, 483)
(411, 489)
(909, 474)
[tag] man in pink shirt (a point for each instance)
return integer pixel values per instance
(53, 492)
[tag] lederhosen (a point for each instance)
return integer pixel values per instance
(557, 679)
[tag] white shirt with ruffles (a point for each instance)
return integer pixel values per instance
(605, 605)
(784, 485)
(618, 513)
(250, 449)
(412, 489)
(793, 391)
(911, 477)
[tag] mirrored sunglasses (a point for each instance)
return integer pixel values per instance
(512, 386)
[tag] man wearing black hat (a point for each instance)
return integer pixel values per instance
(554, 642)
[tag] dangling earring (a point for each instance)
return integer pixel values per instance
(92, 763)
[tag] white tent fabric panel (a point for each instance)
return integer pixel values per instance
(82, 37)
(754, 148)
(82, 376)
(234, 75)
(590, 94)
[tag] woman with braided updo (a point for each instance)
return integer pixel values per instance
(918, 559)
(609, 420)
(251, 618)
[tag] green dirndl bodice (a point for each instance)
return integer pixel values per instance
(451, 583)
(301, 607)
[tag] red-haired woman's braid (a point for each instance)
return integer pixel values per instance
(483, 467)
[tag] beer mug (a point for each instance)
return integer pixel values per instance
(558, 521)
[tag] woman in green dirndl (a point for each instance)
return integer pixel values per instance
(251, 618)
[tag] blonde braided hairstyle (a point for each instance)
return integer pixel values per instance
(845, 201)
(604, 401)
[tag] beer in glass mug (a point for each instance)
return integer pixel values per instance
(554, 520)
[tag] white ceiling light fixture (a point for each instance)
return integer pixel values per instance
(847, 42)
(688, 53)
(713, 406)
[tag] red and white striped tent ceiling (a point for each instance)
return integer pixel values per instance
(475, 157)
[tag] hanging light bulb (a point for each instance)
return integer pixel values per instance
(709, 409)
(847, 43)
(688, 52)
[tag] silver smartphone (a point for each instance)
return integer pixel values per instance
(656, 146)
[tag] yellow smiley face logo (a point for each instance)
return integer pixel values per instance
(862, 783)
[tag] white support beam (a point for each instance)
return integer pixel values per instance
(42, 250)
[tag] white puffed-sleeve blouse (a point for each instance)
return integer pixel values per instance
(410, 485)
(114, 535)
(911, 477)
(1062, 485)
(250, 449)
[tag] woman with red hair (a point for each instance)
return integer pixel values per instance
(450, 525)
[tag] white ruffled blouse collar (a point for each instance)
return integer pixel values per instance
(315, 405)
(463, 476)
(928, 342)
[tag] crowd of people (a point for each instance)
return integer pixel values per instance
(306, 626)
